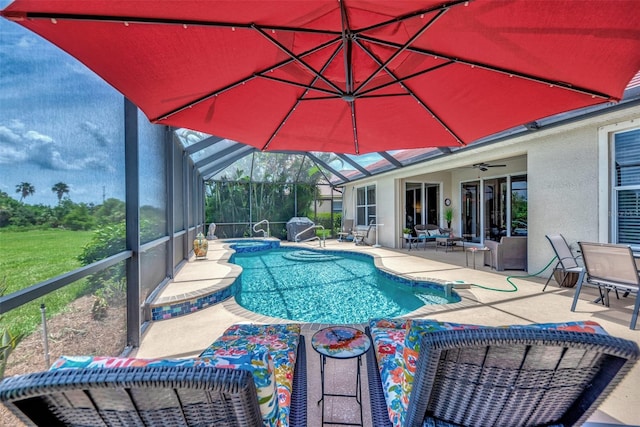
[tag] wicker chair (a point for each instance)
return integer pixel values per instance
(144, 396)
(508, 377)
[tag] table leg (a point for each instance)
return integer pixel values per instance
(357, 395)
(323, 360)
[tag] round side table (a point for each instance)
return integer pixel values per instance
(341, 342)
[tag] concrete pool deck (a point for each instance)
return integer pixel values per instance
(188, 335)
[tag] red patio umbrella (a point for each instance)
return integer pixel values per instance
(350, 76)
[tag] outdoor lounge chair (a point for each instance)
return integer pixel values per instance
(610, 267)
(346, 231)
(147, 396)
(150, 395)
(363, 237)
(567, 263)
(522, 375)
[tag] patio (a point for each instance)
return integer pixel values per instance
(479, 306)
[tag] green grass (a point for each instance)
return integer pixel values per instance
(30, 257)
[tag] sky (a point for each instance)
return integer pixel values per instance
(59, 122)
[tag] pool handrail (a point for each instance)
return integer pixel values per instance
(322, 240)
(265, 233)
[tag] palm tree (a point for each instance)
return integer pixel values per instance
(60, 189)
(25, 189)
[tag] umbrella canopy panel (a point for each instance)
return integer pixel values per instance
(351, 76)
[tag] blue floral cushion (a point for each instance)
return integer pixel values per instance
(281, 341)
(271, 329)
(388, 337)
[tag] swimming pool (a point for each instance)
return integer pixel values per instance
(327, 287)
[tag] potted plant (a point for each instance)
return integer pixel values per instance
(406, 232)
(448, 216)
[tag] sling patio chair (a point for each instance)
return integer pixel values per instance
(610, 267)
(100, 391)
(567, 264)
(346, 231)
(361, 237)
(470, 375)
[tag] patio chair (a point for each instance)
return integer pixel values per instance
(567, 263)
(144, 396)
(610, 267)
(150, 395)
(507, 377)
(361, 237)
(346, 230)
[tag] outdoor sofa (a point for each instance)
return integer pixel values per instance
(253, 375)
(430, 373)
(429, 233)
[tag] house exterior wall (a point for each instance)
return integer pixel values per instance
(568, 182)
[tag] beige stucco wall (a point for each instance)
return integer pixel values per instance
(565, 169)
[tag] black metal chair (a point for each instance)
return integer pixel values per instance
(508, 377)
(567, 262)
(146, 396)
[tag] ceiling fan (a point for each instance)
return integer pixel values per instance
(485, 166)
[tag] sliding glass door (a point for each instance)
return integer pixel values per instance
(470, 214)
(492, 208)
(421, 204)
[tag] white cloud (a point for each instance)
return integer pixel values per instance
(16, 124)
(7, 135)
(25, 42)
(33, 135)
(96, 132)
(10, 150)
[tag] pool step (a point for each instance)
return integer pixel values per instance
(195, 288)
(309, 256)
(189, 292)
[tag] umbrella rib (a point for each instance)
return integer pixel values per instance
(404, 47)
(410, 92)
(402, 79)
(239, 82)
(293, 108)
(296, 58)
(442, 7)
(20, 16)
(302, 85)
(505, 71)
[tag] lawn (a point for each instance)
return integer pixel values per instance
(30, 257)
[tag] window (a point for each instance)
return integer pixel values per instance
(626, 191)
(366, 204)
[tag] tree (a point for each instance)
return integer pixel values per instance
(79, 218)
(60, 189)
(25, 189)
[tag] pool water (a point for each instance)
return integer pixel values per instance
(327, 287)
